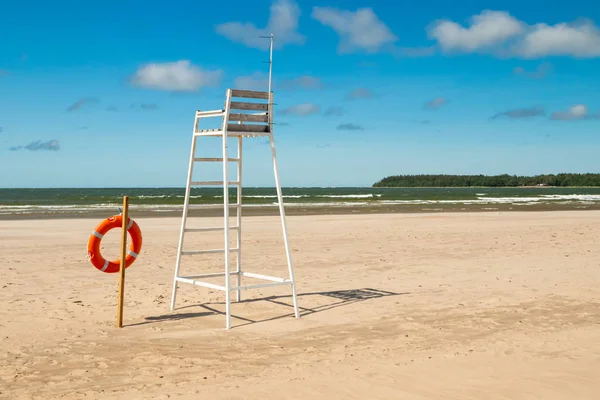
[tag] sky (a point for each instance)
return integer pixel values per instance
(105, 95)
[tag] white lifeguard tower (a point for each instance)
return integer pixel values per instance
(256, 123)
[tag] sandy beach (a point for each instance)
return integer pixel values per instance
(462, 306)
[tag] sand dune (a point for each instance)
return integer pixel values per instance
(420, 306)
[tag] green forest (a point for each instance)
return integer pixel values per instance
(560, 180)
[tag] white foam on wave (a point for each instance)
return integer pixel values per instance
(58, 207)
(334, 204)
(300, 196)
(584, 197)
(272, 196)
(542, 198)
(349, 196)
(162, 196)
(509, 199)
(553, 199)
(33, 209)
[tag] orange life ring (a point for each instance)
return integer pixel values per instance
(109, 223)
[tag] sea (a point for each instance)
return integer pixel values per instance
(80, 202)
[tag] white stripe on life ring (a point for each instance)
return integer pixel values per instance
(105, 266)
(130, 224)
(97, 234)
(133, 254)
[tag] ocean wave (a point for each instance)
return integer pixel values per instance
(336, 204)
(554, 199)
(586, 197)
(162, 196)
(558, 199)
(304, 196)
(57, 207)
(48, 209)
(544, 198)
(272, 196)
(349, 196)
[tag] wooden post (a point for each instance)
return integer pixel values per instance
(122, 269)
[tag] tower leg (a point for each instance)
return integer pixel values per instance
(239, 222)
(186, 204)
(226, 212)
(283, 225)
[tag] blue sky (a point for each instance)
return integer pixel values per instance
(104, 96)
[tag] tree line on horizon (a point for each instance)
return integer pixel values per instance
(505, 180)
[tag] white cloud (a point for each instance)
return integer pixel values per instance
(302, 82)
(488, 29)
(565, 39)
(51, 145)
(175, 76)
(350, 127)
(578, 111)
(436, 103)
(540, 72)
(359, 31)
(499, 33)
(301, 110)
(360, 93)
(82, 103)
(521, 113)
(283, 23)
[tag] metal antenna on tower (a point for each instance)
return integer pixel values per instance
(270, 59)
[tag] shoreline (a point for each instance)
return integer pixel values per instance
(305, 211)
(483, 187)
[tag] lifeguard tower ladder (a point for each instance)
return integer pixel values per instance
(261, 119)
